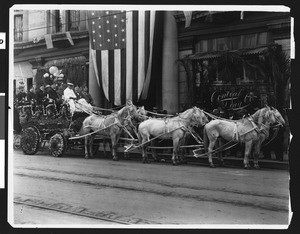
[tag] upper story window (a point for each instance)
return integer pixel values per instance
(18, 28)
(232, 42)
(58, 20)
(73, 20)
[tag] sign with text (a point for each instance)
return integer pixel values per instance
(232, 99)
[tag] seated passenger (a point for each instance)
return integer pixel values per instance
(86, 95)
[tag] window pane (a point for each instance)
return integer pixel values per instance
(18, 34)
(73, 20)
(262, 38)
(250, 41)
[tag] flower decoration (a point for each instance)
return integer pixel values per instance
(53, 76)
(46, 75)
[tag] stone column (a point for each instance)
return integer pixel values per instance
(170, 64)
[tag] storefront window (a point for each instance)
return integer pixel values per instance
(254, 70)
(232, 43)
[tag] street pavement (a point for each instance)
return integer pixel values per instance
(74, 191)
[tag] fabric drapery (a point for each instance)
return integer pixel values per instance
(122, 52)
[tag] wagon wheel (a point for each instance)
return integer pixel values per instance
(57, 145)
(30, 140)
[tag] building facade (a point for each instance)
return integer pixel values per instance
(45, 38)
(223, 56)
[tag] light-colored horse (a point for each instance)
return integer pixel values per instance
(247, 130)
(131, 125)
(264, 132)
(174, 128)
(112, 126)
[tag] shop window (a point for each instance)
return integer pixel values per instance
(73, 19)
(232, 43)
(254, 71)
(201, 46)
(29, 83)
(223, 44)
(18, 28)
(250, 41)
(262, 38)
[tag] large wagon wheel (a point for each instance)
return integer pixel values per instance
(30, 140)
(57, 145)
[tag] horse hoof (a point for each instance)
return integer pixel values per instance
(247, 167)
(256, 167)
(175, 164)
(221, 164)
(212, 165)
(115, 159)
(86, 157)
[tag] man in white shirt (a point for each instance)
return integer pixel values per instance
(70, 96)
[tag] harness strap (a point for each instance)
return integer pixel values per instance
(215, 150)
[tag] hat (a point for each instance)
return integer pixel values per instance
(69, 83)
(47, 86)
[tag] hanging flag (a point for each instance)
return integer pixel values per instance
(121, 52)
(242, 15)
(68, 34)
(48, 40)
(188, 18)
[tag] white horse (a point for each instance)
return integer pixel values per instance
(174, 128)
(264, 132)
(107, 126)
(247, 130)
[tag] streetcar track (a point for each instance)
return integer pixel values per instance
(161, 183)
(265, 204)
(81, 211)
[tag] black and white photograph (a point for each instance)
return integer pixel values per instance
(149, 116)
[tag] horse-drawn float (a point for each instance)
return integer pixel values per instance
(46, 124)
(87, 127)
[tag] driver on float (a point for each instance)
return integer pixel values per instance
(70, 97)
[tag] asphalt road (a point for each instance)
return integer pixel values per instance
(73, 191)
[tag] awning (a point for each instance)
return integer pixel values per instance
(61, 62)
(217, 54)
(23, 70)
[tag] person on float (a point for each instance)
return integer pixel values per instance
(51, 93)
(70, 96)
(86, 95)
(31, 96)
(78, 92)
(21, 95)
(41, 96)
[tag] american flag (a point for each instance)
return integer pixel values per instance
(121, 52)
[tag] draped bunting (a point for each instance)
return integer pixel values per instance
(122, 53)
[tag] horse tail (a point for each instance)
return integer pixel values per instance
(205, 139)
